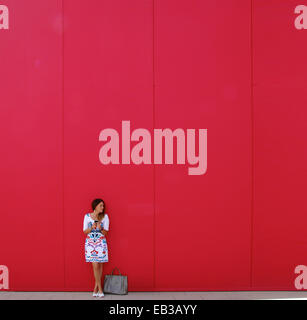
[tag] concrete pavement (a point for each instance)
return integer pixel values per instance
(207, 295)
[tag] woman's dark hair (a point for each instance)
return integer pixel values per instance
(95, 202)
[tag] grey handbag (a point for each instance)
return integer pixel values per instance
(116, 284)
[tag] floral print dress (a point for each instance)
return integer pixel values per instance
(96, 248)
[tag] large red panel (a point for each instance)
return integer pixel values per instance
(31, 234)
(108, 76)
(280, 145)
(202, 79)
(159, 64)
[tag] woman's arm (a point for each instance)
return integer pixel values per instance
(103, 231)
(88, 230)
(106, 226)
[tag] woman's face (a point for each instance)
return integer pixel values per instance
(99, 207)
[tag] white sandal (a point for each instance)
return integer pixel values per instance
(95, 294)
(100, 294)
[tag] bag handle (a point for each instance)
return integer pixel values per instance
(117, 269)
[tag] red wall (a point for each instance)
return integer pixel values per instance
(235, 67)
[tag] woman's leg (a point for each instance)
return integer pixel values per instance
(96, 274)
(101, 269)
(100, 275)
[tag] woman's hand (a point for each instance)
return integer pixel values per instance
(99, 226)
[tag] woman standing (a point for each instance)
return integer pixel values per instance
(96, 227)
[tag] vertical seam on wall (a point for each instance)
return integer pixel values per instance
(63, 208)
(252, 147)
(154, 173)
